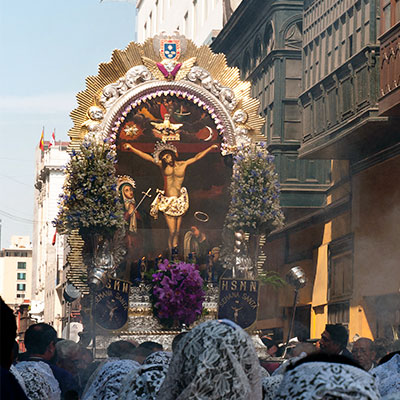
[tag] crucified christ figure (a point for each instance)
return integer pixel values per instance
(173, 201)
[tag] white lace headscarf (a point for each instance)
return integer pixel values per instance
(270, 385)
(159, 357)
(39, 380)
(144, 383)
(215, 360)
(322, 380)
(106, 382)
(388, 376)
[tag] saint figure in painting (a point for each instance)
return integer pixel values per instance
(173, 201)
(126, 186)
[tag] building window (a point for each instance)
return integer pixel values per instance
(21, 265)
(21, 276)
(20, 295)
(387, 15)
(340, 283)
(338, 313)
(351, 49)
(21, 287)
(397, 11)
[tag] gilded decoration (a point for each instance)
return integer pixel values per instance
(139, 73)
(164, 95)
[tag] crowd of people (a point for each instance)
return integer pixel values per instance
(215, 360)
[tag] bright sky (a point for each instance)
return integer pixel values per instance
(48, 48)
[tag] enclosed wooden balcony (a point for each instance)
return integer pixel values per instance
(389, 100)
(340, 112)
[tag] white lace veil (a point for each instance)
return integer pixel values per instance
(105, 383)
(144, 383)
(270, 385)
(322, 380)
(215, 360)
(159, 357)
(39, 380)
(388, 376)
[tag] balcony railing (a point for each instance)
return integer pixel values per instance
(389, 101)
(339, 105)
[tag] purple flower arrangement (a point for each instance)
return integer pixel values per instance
(177, 293)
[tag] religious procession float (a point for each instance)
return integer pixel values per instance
(169, 192)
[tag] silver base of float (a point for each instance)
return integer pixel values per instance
(143, 326)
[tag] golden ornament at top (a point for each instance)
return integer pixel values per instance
(197, 65)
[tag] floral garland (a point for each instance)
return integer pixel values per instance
(177, 294)
(90, 200)
(255, 192)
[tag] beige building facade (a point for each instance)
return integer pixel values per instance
(16, 271)
(48, 248)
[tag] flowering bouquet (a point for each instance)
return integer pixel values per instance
(177, 293)
(90, 200)
(254, 191)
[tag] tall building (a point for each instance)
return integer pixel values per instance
(263, 39)
(329, 93)
(48, 248)
(199, 20)
(16, 271)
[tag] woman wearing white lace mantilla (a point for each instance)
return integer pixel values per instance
(311, 379)
(215, 360)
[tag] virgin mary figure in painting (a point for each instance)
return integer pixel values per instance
(133, 242)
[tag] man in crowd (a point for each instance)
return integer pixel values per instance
(145, 349)
(40, 342)
(272, 347)
(363, 351)
(68, 356)
(334, 340)
(122, 349)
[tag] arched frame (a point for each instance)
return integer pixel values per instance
(132, 83)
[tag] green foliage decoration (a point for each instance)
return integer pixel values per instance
(90, 200)
(271, 278)
(254, 190)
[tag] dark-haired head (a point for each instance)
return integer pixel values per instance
(153, 346)
(164, 160)
(121, 349)
(334, 338)
(38, 337)
(338, 334)
(388, 357)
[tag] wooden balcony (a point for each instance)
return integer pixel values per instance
(389, 100)
(340, 113)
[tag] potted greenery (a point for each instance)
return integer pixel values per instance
(254, 189)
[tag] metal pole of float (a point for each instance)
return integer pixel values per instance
(296, 293)
(68, 319)
(296, 278)
(94, 324)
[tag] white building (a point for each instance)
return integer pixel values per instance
(48, 249)
(16, 271)
(199, 20)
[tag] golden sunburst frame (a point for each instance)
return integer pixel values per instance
(165, 65)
